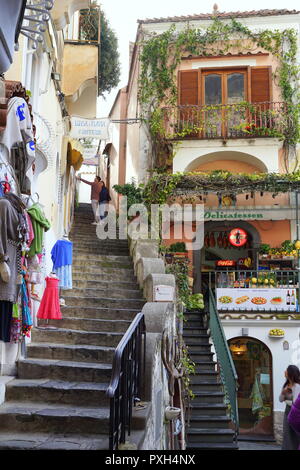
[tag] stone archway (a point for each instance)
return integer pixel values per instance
(254, 367)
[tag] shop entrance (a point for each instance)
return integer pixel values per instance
(253, 363)
(219, 254)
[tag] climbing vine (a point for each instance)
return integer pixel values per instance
(161, 55)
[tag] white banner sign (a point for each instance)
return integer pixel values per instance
(256, 299)
(94, 128)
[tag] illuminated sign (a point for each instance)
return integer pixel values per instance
(225, 262)
(238, 237)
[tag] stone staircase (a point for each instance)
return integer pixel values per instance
(58, 399)
(209, 423)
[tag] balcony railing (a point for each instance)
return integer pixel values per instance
(232, 121)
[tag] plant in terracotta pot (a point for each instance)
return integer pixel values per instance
(178, 249)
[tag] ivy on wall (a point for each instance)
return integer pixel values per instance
(161, 55)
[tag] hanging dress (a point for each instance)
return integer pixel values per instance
(50, 308)
(62, 255)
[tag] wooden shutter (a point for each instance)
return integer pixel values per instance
(189, 87)
(261, 84)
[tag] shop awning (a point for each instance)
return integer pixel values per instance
(11, 18)
(74, 156)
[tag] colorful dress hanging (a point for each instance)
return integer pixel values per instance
(50, 308)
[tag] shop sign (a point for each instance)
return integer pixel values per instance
(232, 215)
(163, 293)
(256, 299)
(225, 263)
(82, 128)
(238, 237)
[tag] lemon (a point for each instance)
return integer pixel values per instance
(254, 280)
(266, 281)
(297, 245)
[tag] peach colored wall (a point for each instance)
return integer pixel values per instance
(233, 166)
(273, 232)
(265, 60)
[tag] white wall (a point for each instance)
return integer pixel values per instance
(281, 359)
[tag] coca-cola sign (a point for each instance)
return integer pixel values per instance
(225, 263)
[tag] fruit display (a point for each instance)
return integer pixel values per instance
(288, 249)
(276, 332)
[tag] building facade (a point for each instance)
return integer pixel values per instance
(214, 102)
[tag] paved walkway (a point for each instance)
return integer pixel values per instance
(246, 445)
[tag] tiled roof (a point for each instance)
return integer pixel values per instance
(208, 16)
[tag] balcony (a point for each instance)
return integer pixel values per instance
(228, 121)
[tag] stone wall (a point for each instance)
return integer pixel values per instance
(160, 317)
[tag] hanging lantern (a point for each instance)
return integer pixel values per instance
(238, 237)
(238, 348)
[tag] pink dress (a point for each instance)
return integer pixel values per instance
(50, 308)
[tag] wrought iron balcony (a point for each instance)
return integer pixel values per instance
(230, 121)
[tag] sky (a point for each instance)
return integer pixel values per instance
(123, 15)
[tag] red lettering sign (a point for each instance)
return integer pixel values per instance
(225, 262)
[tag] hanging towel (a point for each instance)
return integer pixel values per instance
(40, 225)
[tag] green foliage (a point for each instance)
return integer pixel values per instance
(180, 270)
(179, 247)
(109, 57)
(133, 192)
(264, 248)
(195, 302)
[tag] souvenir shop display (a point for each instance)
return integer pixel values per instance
(12, 238)
(62, 257)
(40, 225)
(50, 308)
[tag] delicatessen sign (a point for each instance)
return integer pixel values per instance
(256, 299)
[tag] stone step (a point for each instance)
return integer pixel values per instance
(76, 337)
(208, 397)
(198, 385)
(122, 273)
(89, 324)
(45, 417)
(211, 409)
(198, 356)
(208, 421)
(100, 313)
(210, 435)
(99, 258)
(64, 370)
(103, 302)
(52, 441)
(116, 276)
(70, 352)
(190, 339)
(114, 293)
(198, 347)
(94, 265)
(57, 391)
(105, 285)
(206, 374)
(204, 365)
(194, 330)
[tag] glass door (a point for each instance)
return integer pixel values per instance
(221, 91)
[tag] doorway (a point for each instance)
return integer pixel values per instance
(253, 363)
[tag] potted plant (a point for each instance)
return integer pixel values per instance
(178, 249)
(264, 250)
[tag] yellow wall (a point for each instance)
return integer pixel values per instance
(80, 64)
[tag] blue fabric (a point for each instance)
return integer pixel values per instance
(62, 254)
(65, 277)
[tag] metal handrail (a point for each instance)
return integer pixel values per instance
(125, 386)
(227, 369)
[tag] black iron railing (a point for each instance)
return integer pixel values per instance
(227, 369)
(126, 383)
(239, 120)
